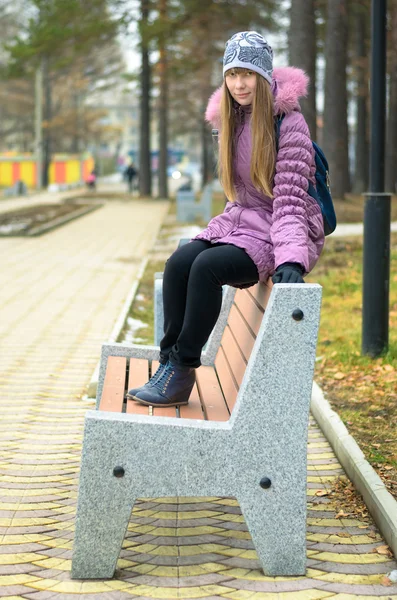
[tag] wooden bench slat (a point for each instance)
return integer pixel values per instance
(211, 395)
(139, 372)
(193, 410)
(138, 375)
(134, 408)
(249, 309)
(228, 384)
(114, 384)
(242, 333)
(155, 366)
(166, 411)
(233, 354)
(261, 293)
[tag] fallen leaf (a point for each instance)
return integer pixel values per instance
(322, 493)
(344, 534)
(383, 550)
(341, 514)
(339, 375)
(386, 581)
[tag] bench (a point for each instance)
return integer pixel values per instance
(187, 209)
(243, 434)
(18, 189)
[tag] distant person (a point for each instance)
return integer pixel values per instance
(91, 180)
(130, 174)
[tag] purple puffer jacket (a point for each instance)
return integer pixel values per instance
(289, 227)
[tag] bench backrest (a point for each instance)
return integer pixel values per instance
(243, 323)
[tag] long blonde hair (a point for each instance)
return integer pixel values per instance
(263, 157)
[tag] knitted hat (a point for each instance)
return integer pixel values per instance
(249, 50)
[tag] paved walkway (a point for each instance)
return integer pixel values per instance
(60, 295)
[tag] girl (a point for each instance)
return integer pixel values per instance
(270, 225)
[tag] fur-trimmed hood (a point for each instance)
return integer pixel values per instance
(289, 84)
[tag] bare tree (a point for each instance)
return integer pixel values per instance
(163, 105)
(145, 173)
(302, 53)
(361, 76)
(335, 137)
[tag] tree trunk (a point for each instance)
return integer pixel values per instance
(163, 109)
(391, 143)
(47, 119)
(302, 53)
(145, 173)
(205, 156)
(361, 76)
(75, 147)
(335, 136)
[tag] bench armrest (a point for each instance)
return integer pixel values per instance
(127, 350)
(148, 352)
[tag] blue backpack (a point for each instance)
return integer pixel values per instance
(322, 192)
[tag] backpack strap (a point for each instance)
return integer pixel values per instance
(277, 126)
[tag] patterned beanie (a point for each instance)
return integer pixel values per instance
(249, 50)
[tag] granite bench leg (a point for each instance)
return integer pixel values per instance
(278, 531)
(104, 510)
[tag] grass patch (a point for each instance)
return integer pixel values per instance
(362, 390)
(142, 308)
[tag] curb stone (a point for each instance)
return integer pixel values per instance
(380, 503)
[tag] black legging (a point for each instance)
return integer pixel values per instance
(192, 295)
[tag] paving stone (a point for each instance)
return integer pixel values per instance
(42, 595)
(353, 568)
(344, 548)
(199, 559)
(335, 530)
(12, 549)
(17, 569)
(359, 590)
(295, 585)
(14, 590)
(239, 562)
(205, 579)
(164, 561)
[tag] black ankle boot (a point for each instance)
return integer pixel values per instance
(131, 393)
(172, 388)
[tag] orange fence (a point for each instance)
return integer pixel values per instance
(63, 169)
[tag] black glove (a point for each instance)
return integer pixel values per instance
(288, 273)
